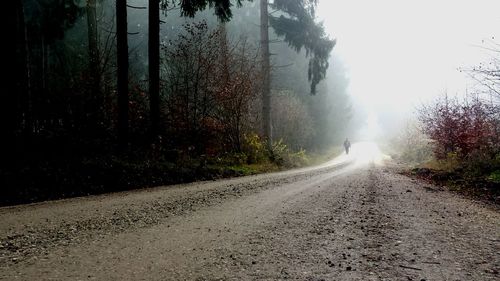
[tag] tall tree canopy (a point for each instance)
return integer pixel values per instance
(222, 8)
(296, 23)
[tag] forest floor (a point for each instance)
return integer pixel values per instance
(348, 219)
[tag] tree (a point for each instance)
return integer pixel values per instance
(22, 72)
(331, 109)
(487, 74)
(122, 77)
(92, 38)
(210, 84)
(266, 74)
(188, 8)
(14, 68)
(45, 22)
(239, 69)
(95, 105)
(154, 65)
(296, 24)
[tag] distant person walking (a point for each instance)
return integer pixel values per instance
(347, 145)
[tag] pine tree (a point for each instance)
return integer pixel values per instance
(297, 25)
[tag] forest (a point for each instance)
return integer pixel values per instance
(106, 95)
(250, 140)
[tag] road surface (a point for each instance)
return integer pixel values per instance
(353, 218)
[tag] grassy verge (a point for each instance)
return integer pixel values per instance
(477, 180)
(64, 178)
(322, 157)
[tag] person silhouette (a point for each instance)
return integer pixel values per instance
(347, 145)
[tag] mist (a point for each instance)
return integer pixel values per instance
(250, 140)
(403, 54)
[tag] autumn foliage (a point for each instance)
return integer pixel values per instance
(461, 127)
(209, 85)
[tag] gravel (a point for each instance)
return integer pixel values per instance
(334, 222)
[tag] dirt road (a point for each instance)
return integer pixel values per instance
(350, 219)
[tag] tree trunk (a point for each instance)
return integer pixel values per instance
(13, 93)
(43, 100)
(92, 37)
(24, 56)
(95, 106)
(122, 79)
(224, 51)
(154, 66)
(266, 73)
(19, 90)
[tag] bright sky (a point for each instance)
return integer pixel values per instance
(400, 53)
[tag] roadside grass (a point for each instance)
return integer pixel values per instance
(317, 158)
(476, 178)
(52, 179)
(293, 160)
(495, 176)
(252, 169)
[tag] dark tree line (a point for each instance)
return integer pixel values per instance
(40, 25)
(44, 22)
(78, 107)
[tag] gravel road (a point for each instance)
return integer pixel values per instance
(344, 220)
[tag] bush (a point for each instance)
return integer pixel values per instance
(466, 136)
(283, 156)
(495, 176)
(254, 148)
(461, 127)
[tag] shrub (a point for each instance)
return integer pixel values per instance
(461, 127)
(254, 148)
(466, 137)
(495, 176)
(283, 156)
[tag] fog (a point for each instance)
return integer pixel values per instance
(212, 89)
(400, 54)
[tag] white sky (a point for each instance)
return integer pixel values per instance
(400, 53)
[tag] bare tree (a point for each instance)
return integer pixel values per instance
(487, 74)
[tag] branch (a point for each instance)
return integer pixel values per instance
(484, 84)
(136, 7)
(274, 41)
(486, 48)
(283, 66)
